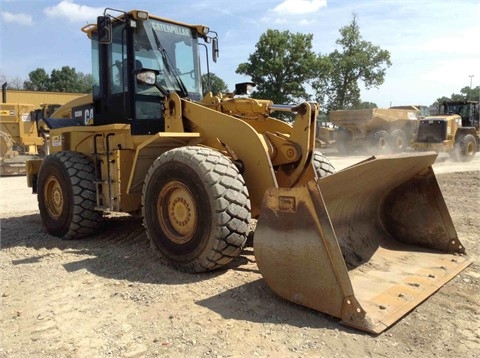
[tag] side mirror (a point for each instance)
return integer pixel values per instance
(104, 29)
(215, 50)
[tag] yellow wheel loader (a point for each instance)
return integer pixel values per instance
(366, 244)
(455, 130)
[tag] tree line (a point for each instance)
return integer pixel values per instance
(66, 79)
(466, 94)
(287, 70)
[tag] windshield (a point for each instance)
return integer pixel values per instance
(171, 50)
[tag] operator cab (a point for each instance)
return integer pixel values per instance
(135, 46)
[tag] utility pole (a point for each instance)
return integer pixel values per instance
(471, 77)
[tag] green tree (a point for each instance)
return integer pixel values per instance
(339, 73)
(281, 66)
(85, 82)
(470, 94)
(212, 83)
(39, 80)
(367, 105)
(466, 93)
(64, 80)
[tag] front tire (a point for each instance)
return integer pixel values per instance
(399, 140)
(67, 195)
(379, 142)
(196, 208)
(467, 147)
(322, 165)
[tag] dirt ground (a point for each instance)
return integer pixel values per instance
(111, 296)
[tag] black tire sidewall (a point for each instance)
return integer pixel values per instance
(191, 250)
(376, 139)
(399, 134)
(53, 166)
(322, 165)
(464, 141)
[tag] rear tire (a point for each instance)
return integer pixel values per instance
(67, 195)
(196, 208)
(6, 146)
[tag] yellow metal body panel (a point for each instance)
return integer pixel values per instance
(262, 145)
(66, 110)
(454, 122)
(37, 98)
(150, 149)
(227, 133)
(17, 123)
(124, 157)
(32, 169)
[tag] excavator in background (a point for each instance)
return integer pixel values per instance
(366, 244)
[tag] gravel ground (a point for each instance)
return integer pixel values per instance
(111, 296)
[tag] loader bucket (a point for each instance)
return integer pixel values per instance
(366, 244)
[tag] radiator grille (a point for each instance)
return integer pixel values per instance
(432, 131)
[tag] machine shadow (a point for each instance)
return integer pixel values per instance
(256, 302)
(120, 251)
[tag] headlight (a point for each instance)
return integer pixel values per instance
(147, 77)
(244, 88)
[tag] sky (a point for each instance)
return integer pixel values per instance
(434, 44)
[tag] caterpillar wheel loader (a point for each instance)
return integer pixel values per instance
(366, 244)
(455, 130)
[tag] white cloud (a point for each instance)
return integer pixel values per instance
(67, 9)
(296, 10)
(460, 43)
(299, 7)
(21, 19)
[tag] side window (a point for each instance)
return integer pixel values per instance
(118, 63)
(95, 69)
(185, 65)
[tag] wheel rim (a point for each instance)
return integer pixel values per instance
(470, 148)
(54, 197)
(399, 143)
(177, 212)
(382, 143)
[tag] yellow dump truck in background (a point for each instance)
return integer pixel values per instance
(18, 137)
(377, 130)
(23, 133)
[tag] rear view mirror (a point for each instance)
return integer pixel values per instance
(104, 29)
(215, 50)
